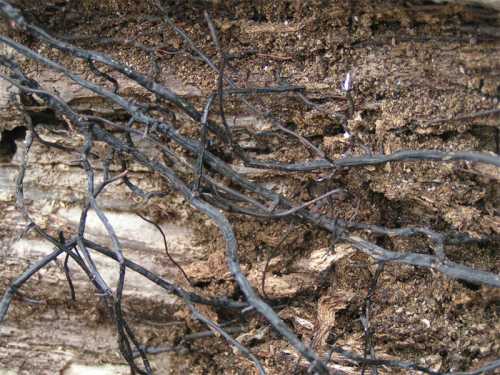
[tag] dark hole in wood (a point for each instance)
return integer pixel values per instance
(8, 145)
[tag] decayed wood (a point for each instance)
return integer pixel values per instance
(55, 204)
(495, 4)
(50, 191)
(55, 189)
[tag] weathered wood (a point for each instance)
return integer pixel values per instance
(58, 336)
